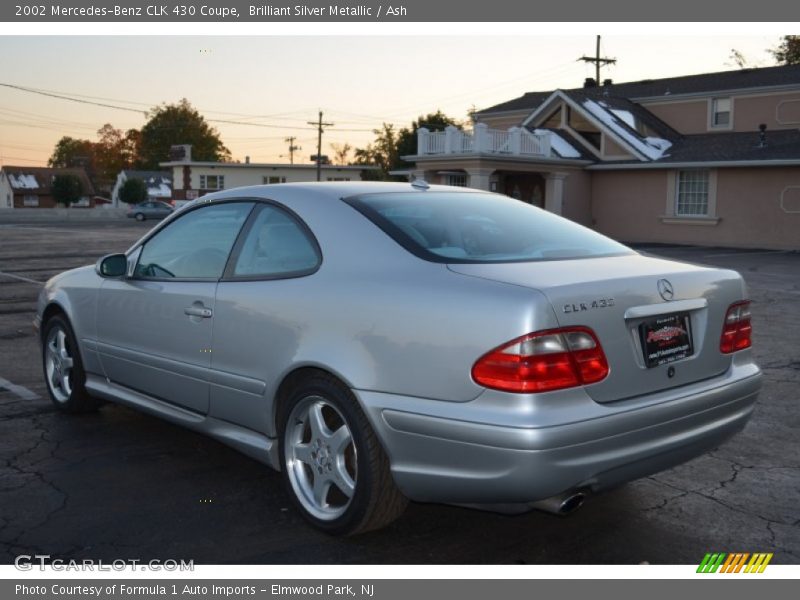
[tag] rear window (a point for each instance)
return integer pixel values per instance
(458, 227)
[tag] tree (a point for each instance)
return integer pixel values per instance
(788, 51)
(390, 145)
(71, 152)
(382, 152)
(738, 58)
(172, 124)
(133, 191)
(103, 160)
(67, 189)
(113, 152)
(340, 153)
(130, 147)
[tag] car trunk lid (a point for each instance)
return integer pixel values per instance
(659, 322)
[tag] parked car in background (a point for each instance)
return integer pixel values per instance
(150, 210)
(381, 342)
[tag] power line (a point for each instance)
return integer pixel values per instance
(62, 97)
(144, 113)
(3, 157)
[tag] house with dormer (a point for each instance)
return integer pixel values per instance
(710, 159)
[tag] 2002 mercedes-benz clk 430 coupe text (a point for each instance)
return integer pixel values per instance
(384, 342)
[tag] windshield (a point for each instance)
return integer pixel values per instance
(468, 227)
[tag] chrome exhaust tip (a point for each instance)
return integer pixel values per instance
(562, 504)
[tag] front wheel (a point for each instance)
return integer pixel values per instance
(139, 217)
(63, 369)
(334, 467)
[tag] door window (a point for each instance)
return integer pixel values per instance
(194, 246)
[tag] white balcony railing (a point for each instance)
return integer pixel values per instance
(516, 141)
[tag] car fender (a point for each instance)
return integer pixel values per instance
(74, 293)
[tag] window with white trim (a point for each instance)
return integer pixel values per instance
(691, 197)
(721, 112)
(30, 200)
(273, 179)
(457, 179)
(212, 182)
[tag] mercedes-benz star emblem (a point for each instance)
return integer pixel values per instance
(665, 289)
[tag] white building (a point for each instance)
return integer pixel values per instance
(192, 179)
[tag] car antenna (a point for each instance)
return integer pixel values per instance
(420, 184)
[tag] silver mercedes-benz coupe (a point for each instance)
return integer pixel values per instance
(381, 342)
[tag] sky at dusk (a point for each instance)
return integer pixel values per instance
(276, 84)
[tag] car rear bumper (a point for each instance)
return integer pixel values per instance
(506, 449)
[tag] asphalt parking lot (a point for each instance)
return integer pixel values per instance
(119, 484)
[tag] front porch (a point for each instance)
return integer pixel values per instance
(529, 166)
(538, 184)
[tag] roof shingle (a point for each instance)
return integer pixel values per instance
(686, 84)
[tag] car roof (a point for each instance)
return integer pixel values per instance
(286, 192)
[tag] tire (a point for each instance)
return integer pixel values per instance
(63, 368)
(333, 465)
(139, 217)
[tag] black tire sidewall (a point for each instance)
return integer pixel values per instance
(356, 511)
(139, 217)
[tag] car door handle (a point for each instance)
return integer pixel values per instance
(198, 311)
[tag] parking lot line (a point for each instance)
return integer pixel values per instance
(18, 390)
(21, 278)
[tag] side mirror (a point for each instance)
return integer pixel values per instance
(112, 265)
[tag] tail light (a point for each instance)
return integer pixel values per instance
(544, 361)
(736, 330)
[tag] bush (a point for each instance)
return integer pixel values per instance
(67, 189)
(133, 191)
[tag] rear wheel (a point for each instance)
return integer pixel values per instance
(63, 369)
(139, 217)
(333, 465)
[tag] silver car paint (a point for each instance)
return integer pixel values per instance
(403, 334)
(632, 283)
(147, 343)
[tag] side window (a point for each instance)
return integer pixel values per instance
(276, 245)
(194, 246)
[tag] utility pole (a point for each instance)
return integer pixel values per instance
(597, 60)
(319, 124)
(292, 148)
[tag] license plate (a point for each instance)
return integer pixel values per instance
(666, 339)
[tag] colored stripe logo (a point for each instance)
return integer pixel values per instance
(735, 562)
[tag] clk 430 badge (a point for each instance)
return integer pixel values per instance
(582, 306)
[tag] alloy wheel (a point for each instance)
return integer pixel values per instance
(320, 457)
(58, 364)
